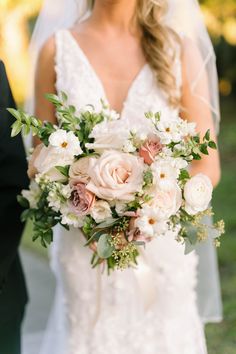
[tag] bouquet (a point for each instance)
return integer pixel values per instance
(121, 185)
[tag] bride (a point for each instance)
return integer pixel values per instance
(136, 55)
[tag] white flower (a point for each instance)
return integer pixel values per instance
(32, 195)
(168, 131)
(58, 195)
(66, 142)
(187, 128)
(116, 175)
(149, 223)
(166, 203)
(110, 114)
(197, 194)
(128, 146)
(109, 135)
(71, 219)
(120, 207)
(100, 211)
(164, 173)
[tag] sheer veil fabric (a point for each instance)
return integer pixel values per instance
(185, 17)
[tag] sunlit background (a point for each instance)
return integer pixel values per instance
(17, 18)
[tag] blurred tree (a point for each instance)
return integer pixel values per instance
(221, 22)
(14, 40)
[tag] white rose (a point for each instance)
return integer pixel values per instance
(197, 194)
(79, 170)
(100, 211)
(48, 158)
(116, 175)
(109, 135)
(166, 203)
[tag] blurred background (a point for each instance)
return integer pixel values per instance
(17, 18)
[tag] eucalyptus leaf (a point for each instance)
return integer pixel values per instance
(104, 248)
(107, 223)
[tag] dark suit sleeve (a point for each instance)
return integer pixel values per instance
(13, 178)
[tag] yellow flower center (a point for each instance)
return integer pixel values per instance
(152, 221)
(64, 144)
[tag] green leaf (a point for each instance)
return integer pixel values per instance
(203, 149)
(26, 130)
(15, 113)
(53, 98)
(183, 175)
(212, 145)
(27, 214)
(48, 236)
(23, 201)
(196, 139)
(64, 170)
(64, 96)
(104, 248)
(196, 156)
(16, 128)
(107, 223)
(207, 135)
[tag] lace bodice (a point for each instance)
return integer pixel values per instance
(83, 85)
(102, 314)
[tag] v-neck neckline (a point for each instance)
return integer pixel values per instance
(98, 79)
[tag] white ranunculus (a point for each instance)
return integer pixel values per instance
(149, 223)
(101, 211)
(49, 157)
(197, 194)
(166, 203)
(116, 175)
(66, 142)
(109, 135)
(79, 170)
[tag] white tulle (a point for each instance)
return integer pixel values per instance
(99, 314)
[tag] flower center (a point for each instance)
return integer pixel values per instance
(162, 175)
(64, 144)
(168, 130)
(152, 221)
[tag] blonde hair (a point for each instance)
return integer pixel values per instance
(160, 45)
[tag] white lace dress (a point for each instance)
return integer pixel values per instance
(100, 314)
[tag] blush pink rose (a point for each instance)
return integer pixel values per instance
(151, 147)
(82, 200)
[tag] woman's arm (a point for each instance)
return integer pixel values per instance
(45, 79)
(195, 110)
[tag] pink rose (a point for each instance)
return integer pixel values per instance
(82, 200)
(116, 175)
(151, 147)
